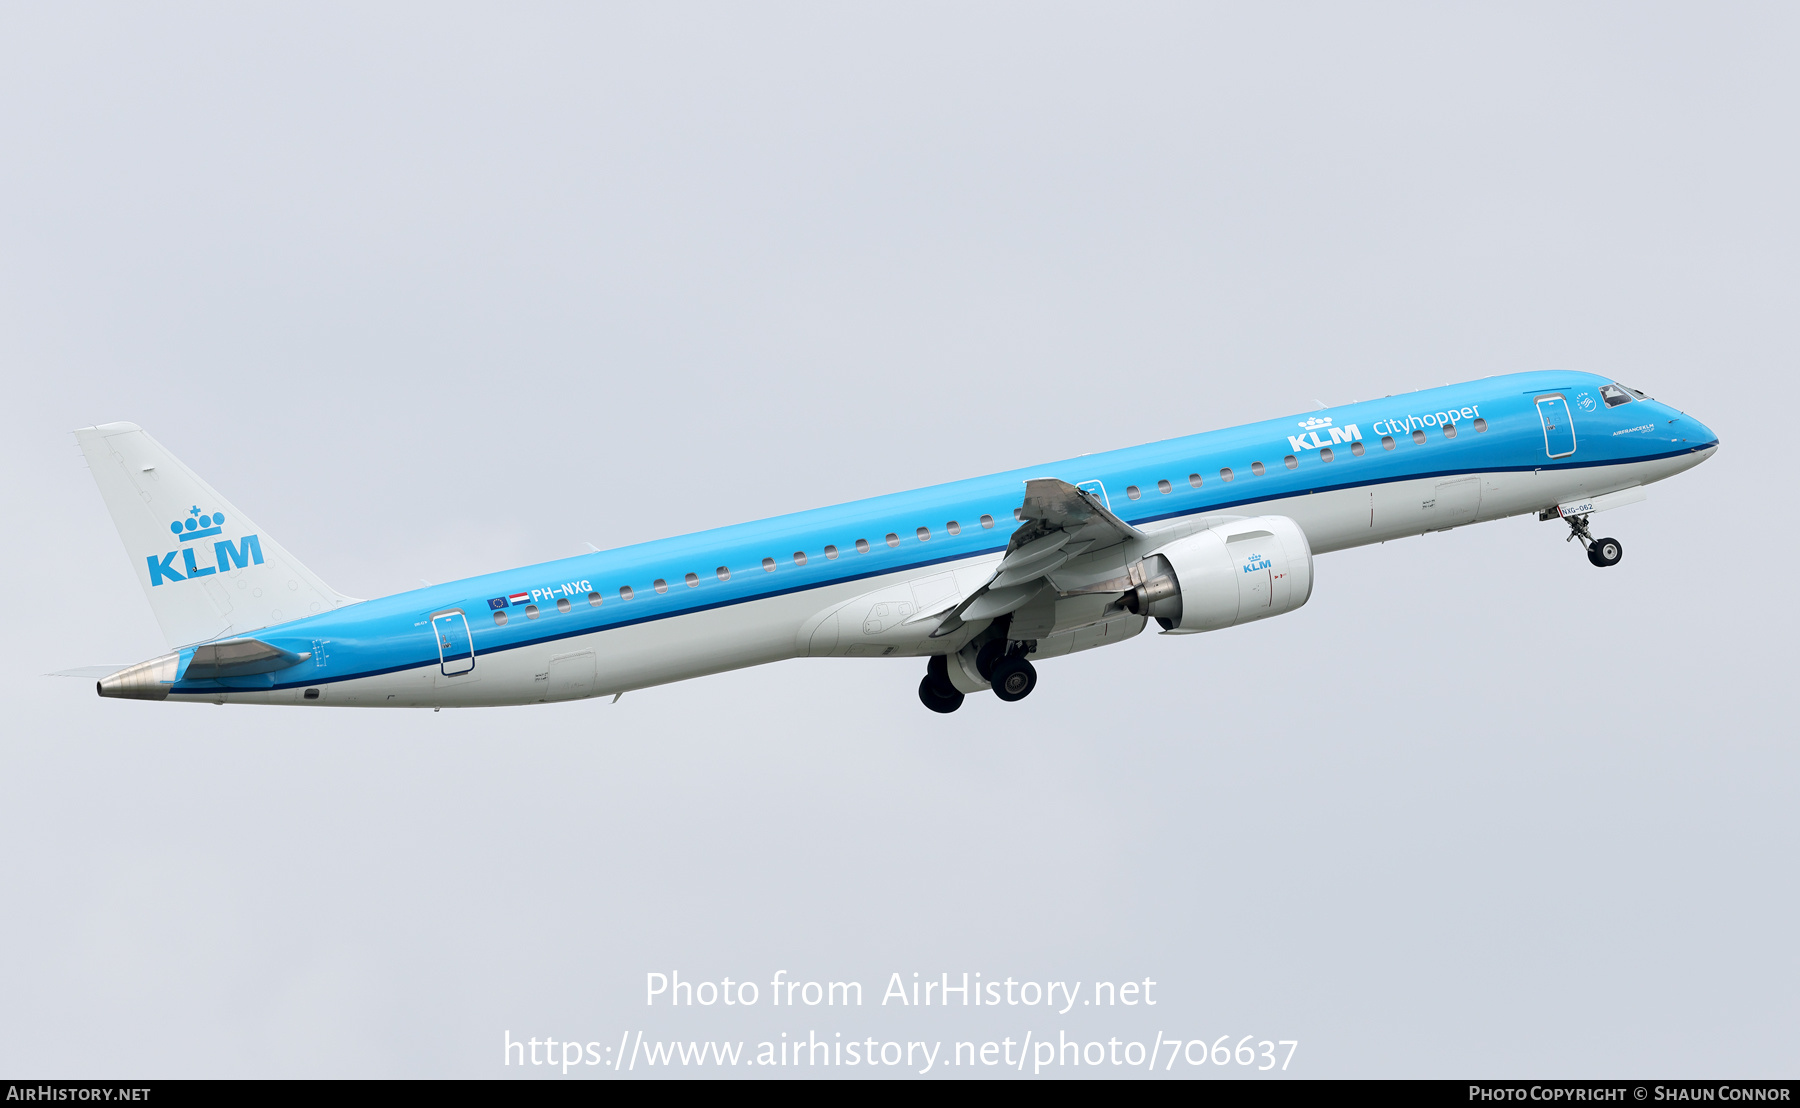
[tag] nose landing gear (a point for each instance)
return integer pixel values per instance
(1605, 552)
(1600, 552)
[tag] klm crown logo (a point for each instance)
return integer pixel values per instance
(197, 525)
(226, 554)
(1308, 438)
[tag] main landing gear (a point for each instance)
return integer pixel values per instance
(1008, 672)
(935, 691)
(1601, 552)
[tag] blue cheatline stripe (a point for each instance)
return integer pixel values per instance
(211, 687)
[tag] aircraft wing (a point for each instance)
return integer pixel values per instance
(1061, 522)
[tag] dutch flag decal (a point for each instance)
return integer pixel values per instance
(518, 598)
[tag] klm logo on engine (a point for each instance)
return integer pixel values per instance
(1308, 438)
(1256, 563)
(226, 554)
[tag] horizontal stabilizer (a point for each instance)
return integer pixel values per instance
(238, 658)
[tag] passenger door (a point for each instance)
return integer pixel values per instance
(456, 647)
(1559, 428)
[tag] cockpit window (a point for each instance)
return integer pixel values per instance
(1615, 395)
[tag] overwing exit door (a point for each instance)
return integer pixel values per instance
(456, 647)
(1559, 428)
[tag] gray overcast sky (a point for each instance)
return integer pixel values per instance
(434, 290)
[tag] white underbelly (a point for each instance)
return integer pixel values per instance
(792, 625)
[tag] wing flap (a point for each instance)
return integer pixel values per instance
(1061, 522)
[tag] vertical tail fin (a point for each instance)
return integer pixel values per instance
(205, 567)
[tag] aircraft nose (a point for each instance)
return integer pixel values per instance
(1697, 434)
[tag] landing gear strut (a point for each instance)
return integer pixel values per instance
(1601, 552)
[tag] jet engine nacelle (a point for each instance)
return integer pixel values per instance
(1226, 575)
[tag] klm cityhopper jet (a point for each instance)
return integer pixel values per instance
(980, 577)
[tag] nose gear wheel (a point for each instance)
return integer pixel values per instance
(1600, 552)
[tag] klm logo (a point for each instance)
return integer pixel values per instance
(1256, 563)
(226, 554)
(1308, 438)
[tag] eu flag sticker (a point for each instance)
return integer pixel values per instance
(497, 603)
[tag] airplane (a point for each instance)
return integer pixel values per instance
(981, 578)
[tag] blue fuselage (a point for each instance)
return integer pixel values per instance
(1494, 426)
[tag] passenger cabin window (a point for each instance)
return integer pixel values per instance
(799, 557)
(625, 592)
(593, 600)
(768, 565)
(1194, 479)
(1225, 474)
(1291, 462)
(1018, 513)
(692, 579)
(1387, 442)
(1257, 468)
(924, 534)
(722, 573)
(831, 553)
(531, 611)
(1481, 427)
(893, 539)
(1419, 437)
(953, 527)
(660, 585)
(987, 521)
(499, 619)
(1326, 455)
(1132, 491)
(1356, 448)
(1449, 430)
(563, 605)
(1614, 395)
(862, 546)
(1164, 487)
